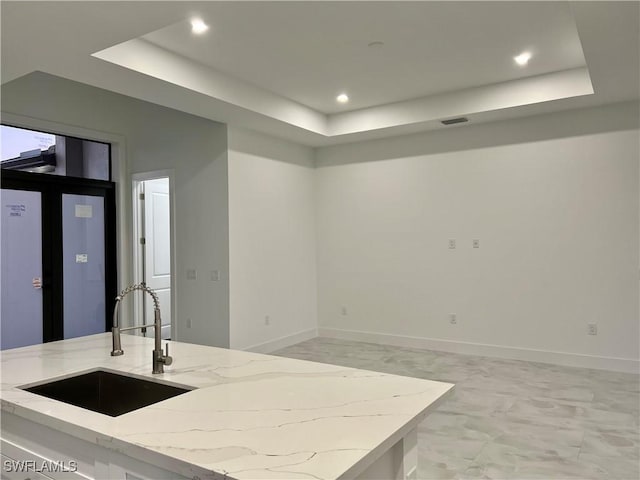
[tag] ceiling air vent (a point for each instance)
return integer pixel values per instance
(453, 121)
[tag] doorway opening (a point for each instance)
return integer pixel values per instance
(153, 249)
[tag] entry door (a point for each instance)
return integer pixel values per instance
(83, 254)
(21, 310)
(157, 250)
(58, 258)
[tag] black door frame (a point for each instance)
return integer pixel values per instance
(51, 188)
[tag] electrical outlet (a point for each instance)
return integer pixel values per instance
(192, 274)
(267, 320)
(215, 275)
(188, 323)
(592, 328)
(344, 312)
(453, 318)
(452, 243)
(476, 243)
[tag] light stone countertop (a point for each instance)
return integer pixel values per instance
(251, 415)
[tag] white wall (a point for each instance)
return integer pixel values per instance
(155, 138)
(554, 202)
(272, 241)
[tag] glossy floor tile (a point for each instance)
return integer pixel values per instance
(509, 419)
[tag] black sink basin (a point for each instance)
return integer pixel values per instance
(106, 392)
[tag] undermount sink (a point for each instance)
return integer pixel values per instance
(107, 392)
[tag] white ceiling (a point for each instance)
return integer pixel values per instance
(312, 52)
(277, 66)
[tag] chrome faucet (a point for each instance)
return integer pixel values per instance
(160, 358)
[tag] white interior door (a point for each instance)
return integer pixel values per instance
(157, 254)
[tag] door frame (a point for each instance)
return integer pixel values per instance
(136, 180)
(119, 175)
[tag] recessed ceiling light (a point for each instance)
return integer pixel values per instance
(198, 26)
(342, 98)
(523, 58)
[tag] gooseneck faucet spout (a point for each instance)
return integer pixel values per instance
(160, 358)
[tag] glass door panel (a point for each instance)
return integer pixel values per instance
(21, 256)
(83, 250)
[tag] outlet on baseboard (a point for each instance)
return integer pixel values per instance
(453, 318)
(344, 312)
(188, 323)
(592, 328)
(267, 320)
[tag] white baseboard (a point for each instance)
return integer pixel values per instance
(282, 342)
(628, 365)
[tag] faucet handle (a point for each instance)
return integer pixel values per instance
(167, 360)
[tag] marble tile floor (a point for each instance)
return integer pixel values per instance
(509, 419)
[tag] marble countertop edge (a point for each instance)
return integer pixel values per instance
(376, 453)
(117, 445)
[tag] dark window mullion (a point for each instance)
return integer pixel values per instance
(48, 280)
(110, 252)
(57, 274)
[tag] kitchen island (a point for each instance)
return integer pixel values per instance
(249, 416)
